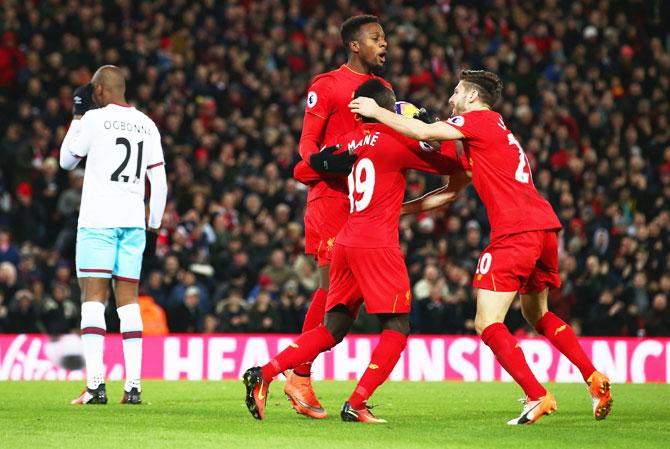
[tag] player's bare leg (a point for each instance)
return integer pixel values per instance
(535, 309)
(491, 310)
(384, 358)
(93, 329)
(298, 387)
(131, 331)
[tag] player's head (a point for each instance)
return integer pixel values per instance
(109, 85)
(364, 39)
(477, 88)
(376, 90)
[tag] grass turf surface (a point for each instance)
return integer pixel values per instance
(420, 414)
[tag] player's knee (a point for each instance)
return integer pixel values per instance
(531, 316)
(533, 311)
(481, 323)
(396, 322)
(338, 321)
(337, 332)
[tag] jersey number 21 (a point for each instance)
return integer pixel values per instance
(116, 176)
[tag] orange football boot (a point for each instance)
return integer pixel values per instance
(299, 391)
(257, 391)
(534, 410)
(601, 394)
(350, 414)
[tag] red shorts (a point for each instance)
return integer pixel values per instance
(376, 276)
(324, 217)
(526, 262)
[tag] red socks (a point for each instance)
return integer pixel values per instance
(510, 356)
(305, 348)
(314, 317)
(564, 339)
(384, 358)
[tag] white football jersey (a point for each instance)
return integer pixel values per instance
(120, 144)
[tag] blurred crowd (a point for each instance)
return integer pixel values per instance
(587, 91)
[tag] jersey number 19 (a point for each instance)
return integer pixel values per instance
(364, 187)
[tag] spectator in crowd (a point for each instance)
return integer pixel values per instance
(8, 250)
(657, 320)
(24, 316)
(4, 316)
(232, 313)
(60, 312)
(8, 278)
(185, 316)
(262, 315)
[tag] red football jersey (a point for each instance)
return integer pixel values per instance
(377, 182)
(501, 175)
(328, 97)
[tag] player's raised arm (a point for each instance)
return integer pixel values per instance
(411, 127)
(78, 137)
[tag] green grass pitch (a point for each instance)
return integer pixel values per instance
(420, 414)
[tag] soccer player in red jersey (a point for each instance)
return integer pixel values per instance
(327, 117)
(367, 264)
(523, 253)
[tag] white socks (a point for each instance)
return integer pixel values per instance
(131, 331)
(93, 330)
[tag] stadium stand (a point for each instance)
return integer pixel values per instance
(587, 90)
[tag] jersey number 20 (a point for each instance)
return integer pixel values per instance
(520, 174)
(125, 178)
(357, 184)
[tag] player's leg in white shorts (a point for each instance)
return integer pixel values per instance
(130, 246)
(96, 252)
(95, 258)
(126, 273)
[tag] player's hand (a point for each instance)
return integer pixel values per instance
(367, 107)
(424, 116)
(326, 160)
(150, 246)
(83, 99)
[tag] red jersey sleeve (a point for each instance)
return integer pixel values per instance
(410, 153)
(317, 111)
(305, 174)
(468, 124)
(312, 134)
(454, 151)
(319, 101)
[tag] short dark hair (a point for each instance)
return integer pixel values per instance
(376, 90)
(488, 84)
(352, 25)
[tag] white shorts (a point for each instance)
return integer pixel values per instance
(110, 252)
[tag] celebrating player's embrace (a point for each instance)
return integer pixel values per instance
(523, 253)
(367, 264)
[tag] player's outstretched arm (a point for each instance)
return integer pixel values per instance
(438, 197)
(411, 127)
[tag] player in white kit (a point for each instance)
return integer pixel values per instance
(122, 146)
